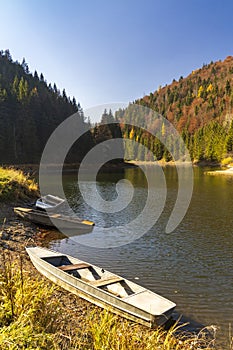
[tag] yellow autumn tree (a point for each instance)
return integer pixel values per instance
(209, 88)
(131, 134)
(200, 91)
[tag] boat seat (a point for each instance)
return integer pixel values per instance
(87, 222)
(55, 215)
(74, 267)
(23, 209)
(106, 281)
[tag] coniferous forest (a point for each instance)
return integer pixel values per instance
(199, 107)
(31, 109)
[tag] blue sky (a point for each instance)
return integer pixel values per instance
(115, 51)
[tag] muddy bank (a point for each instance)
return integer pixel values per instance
(16, 234)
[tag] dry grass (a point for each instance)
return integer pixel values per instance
(35, 314)
(14, 184)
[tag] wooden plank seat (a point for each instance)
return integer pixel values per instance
(74, 267)
(106, 281)
(55, 216)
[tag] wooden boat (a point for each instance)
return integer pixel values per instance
(102, 287)
(58, 220)
(50, 203)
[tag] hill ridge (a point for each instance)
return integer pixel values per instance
(200, 107)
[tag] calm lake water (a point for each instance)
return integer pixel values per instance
(192, 266)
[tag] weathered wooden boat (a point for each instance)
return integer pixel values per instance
(54, 219)
(102, 287)
(50, 203)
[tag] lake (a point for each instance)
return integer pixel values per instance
(191, 266)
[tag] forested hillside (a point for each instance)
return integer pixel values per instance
(200, 107)
(30, 110)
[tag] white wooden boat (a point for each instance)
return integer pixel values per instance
(102, 287)
(58, 220)
(50, 203)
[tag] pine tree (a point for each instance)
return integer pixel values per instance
(229, 140)
(25, 66)
(36, 75)
(41, 77)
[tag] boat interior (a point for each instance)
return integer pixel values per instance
(95, 276)
(49, 201)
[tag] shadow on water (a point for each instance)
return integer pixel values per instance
(185, 324)
(188, 328)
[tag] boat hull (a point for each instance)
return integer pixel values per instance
(99, 297)
(54, 220)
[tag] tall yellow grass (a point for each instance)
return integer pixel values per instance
(14, 184)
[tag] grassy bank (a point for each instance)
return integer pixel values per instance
(14, 185)
(35, 315)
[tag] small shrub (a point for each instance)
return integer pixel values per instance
(227, 161)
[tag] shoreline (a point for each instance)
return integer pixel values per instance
(16, 234)
(33, 169)
(225, 172)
